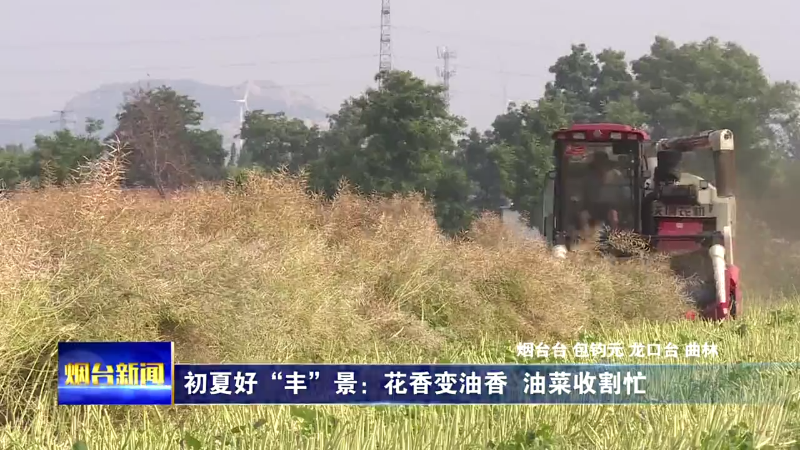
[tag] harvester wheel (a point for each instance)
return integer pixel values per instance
(704, 298)
(736, 305)
(735, 293)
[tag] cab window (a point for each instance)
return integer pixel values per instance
(596, 181)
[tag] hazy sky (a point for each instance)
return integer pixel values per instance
(52, 49)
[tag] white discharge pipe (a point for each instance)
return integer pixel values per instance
(560, 251)
(727, 234)
(717, 253)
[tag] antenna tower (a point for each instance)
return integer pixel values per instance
(385, 59)
(62, 118)
(446, 72)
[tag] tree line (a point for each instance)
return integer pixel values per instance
(401, 137)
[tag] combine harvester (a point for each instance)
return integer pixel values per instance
(678, 214)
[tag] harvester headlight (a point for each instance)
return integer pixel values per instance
(616, 135)
(578, 136)
(703, 184)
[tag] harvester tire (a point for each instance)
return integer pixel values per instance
(736, 305)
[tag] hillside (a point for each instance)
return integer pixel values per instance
(217, 103)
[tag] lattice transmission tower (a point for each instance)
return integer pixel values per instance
(446, 72)
(63, 122)
(385, 58)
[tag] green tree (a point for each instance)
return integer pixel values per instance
(593, 88)
(575, 77)
(207, 153)
(451, 198)
(233, 161)
(678, 90)
(166, 148)
(275, 140)
(341, 149)
(61, 153)
(523, 133)
(489, 165)
(397, 139)
(709, 85)
(14, 167)
(93, 126)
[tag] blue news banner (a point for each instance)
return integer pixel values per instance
(145, 374)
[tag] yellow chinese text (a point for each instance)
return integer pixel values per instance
(77, 374)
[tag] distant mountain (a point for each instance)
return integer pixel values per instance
(217, 103)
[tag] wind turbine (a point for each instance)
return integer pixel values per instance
(243, 108)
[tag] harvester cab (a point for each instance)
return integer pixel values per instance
(612, 177)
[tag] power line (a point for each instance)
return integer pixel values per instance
(365, 56)
(321, 60)
(192, 40)
(48, 92)
(479, 92)
(40, 92)
(154, 68)
(485, 40)
(473, 67)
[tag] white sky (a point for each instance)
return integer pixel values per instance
(52, 49)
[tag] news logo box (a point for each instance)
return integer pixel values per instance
(115, 373)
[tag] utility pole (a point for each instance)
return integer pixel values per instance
(446, 72)
(62, 118)
(385, 58)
